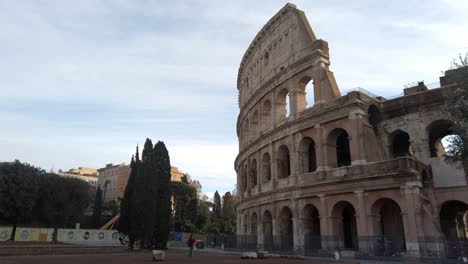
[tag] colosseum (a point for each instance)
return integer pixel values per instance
(356, 172)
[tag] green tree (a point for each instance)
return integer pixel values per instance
(18, 192)
(163, 199)
(217, 205)
(184, 178)
(203, 215)
(458, 109)
(127, 205)
(97, 208)
(229, 214)
(185, 206)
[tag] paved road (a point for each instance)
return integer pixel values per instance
(145, 257)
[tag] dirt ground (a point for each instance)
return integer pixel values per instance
(144, 257)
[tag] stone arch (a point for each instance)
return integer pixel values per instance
(436, 131)
(266, 168)
(244, 177)
(283, 162)
(400, 145)
(344, 225)
(267, 226)
(453, 220)
(311, 225)
(454, 225)
(246, 224)
(286, 228)
(282, 111)
(267, 115)
(307, 155)
(388, 227)
(254, 225)
(305, 94)
(338, 148)
(254, 124)
(246, 131)
(253, 173)
(374, 116)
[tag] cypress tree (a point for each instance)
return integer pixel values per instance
(127, 219)
(217, 205)
(163, 195)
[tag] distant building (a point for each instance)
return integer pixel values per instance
(116, 177)
(88, 175)
(176, 174)
(112, 180)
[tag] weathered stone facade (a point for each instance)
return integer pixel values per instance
(348, 170)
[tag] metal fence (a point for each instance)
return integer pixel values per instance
(378, 248)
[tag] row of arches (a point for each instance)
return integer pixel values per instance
(387, 227)
(386, 219)
(339, 155)
(263, 117)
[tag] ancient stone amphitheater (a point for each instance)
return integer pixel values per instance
(353, 171)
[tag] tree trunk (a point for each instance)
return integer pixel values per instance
(13, 232)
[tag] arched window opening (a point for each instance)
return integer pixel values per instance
(282, 105)
(266, 115)
(307, 155)
(388, 226)
(454, 224)
(254, 228)
(338, 148)
(266, 58)
(343, 154)
(284, 162)
(442, 139)
(246, 224)
(311, 221)
(254, 124)
(305, 96)
(374, 116)
(266, 168)
(344, 224)
(288, 106)
(253, 173)
(401, 146)
(247, 131)
(244, 178)
(286, 229)
(267, 225)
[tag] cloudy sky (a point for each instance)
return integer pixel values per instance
(83, 82)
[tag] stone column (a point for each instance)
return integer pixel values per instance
(324, 222)
(356, 139)
(362, 225)
(259, 229)
(410, 221)
(298, 236)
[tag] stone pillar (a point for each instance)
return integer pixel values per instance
(324, 222)
(259, 229)
(259, 172)
(356, 139)
(273, 162)
(410, 221)
(362, 226)
(298, 236)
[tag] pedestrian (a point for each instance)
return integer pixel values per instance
(190, 244)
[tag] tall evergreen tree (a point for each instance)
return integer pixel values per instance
(126, 221)
(97, 208)
(163, 200)
(217, 205)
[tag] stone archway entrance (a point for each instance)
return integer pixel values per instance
(286, 238)
(387, 224)
(311, 224)
(454, 224)
(267, 226)
(344, 225)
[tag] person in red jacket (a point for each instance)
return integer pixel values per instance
(190, 244)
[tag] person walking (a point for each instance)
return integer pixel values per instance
(190, 244)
